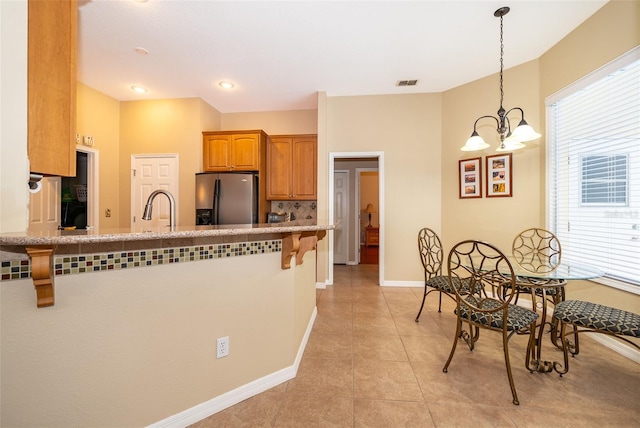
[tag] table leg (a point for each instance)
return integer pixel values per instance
(540, 301)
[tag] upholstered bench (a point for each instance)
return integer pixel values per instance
(591, 317)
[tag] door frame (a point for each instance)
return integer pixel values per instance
(358, 155)
(93, 185)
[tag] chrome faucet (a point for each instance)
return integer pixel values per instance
(172, 207)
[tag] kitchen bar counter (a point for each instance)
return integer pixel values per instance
(137, 315)
(62, 237)
(39, 249)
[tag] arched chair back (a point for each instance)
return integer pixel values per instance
(537, 250)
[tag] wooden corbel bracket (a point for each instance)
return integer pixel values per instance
(42, 274)
(290, 247)
(297, 244)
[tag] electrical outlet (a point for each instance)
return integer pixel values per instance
(77, 138)
(222, 347)
(107, 212)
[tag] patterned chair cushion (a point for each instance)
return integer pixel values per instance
(599, 317)
(518, 317)
(441, 283)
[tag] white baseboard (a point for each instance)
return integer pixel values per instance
(617, 346)
(228, 399)
(403, 283)
(321, 285)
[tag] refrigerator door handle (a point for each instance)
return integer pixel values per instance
(216, 202)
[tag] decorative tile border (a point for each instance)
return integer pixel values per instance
(70, 264)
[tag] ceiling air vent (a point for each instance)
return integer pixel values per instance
(406, 83)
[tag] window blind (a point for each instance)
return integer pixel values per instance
(594, 170)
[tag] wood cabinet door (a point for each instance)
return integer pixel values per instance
(51, 86)
(305, 168)
(245, 153)
(216, 153)
(279, 157)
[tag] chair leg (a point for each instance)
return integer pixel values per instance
(505, 346)
(455, 343)
(531, 349)
(422, 305)
(576, 342)
(439, 301)
(565, 351)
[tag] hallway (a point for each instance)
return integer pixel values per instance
(369, 364)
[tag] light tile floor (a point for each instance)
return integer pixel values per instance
(369, 364)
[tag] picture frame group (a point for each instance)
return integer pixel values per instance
(498, 169)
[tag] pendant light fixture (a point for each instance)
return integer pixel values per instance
(508, 140)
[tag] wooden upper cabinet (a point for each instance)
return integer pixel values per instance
(233, 151)
(292, 167)
(51, 86)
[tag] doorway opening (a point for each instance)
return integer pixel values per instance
(367, 190)
(74, 196)
(79, 199)
(350, 161)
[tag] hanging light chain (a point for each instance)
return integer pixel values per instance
(501, 62)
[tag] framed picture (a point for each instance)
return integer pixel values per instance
(499, 176)
(470, 178)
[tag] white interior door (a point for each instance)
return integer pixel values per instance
(341, 217)
(149, 173)
(45, 206)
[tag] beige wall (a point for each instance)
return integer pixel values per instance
(99, 116)
(165, 126)
(140, 345)
(273, 122)
(496, 220)
(407, 129)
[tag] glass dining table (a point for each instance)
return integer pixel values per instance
(547, 287)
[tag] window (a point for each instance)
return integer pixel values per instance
(594, 170)
(604, 180)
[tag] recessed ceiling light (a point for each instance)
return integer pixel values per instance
(141, 51)
(226, 84)
(138, 89)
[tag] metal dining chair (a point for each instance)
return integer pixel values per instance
(431, 255)
(488, 302)
(538, 250)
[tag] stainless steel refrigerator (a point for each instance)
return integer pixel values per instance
(226, 198)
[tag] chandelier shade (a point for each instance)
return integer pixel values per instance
(509, 140)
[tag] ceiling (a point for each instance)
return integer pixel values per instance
(280, 54)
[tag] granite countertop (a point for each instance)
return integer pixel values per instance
(60, 237)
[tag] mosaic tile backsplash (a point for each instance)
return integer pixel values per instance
(300, 210)
(75, 264)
